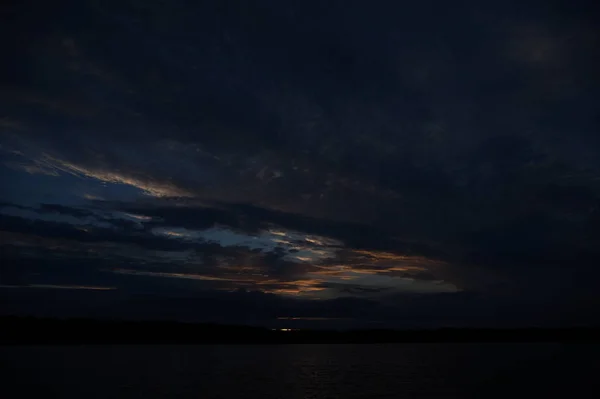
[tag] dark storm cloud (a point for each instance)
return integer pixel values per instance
(330, 148)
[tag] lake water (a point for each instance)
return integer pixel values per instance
(300, 371)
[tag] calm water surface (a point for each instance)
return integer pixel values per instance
(301, 371)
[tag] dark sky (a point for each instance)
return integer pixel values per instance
(420, 163)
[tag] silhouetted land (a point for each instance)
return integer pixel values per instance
(28, 330)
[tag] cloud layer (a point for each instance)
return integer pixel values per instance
(306, 152)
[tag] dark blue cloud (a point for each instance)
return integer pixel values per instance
(326, 149)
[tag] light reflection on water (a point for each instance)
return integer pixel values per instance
(298, 371)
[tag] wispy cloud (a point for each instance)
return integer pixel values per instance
(34, 169)
(60, 287)
(148, 186)
(189, 276)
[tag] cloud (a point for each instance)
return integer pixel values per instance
(273, 260)
(148, 187)
(359, 159)
(35, 169)
(60, 287)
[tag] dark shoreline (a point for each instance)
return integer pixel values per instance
(29, 330)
